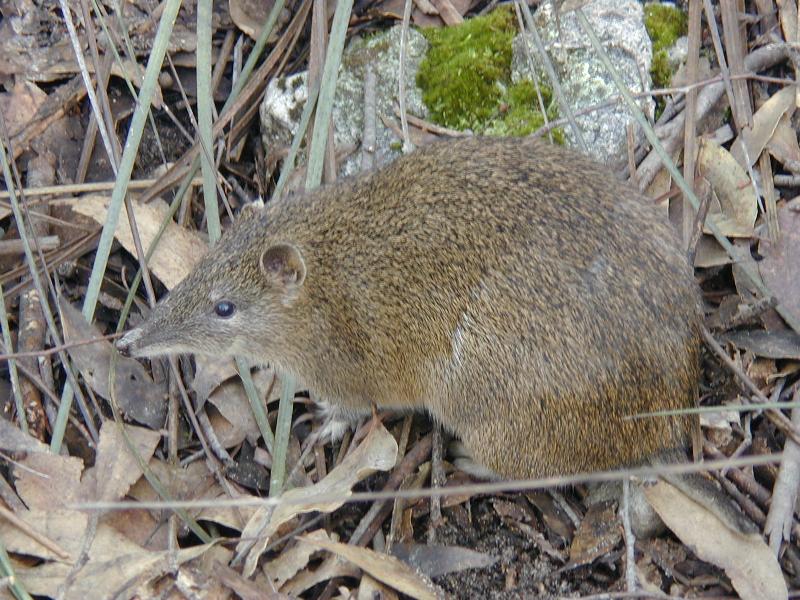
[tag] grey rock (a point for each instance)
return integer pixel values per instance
(678, 52)
(285, 97)
(619, 24)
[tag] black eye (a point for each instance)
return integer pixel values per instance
(224, 309)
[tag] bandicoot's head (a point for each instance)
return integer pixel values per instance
(240, 299)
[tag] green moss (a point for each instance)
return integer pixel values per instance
(660, 71)
(464, 64)
(466, 79)
(519, 114)
(665, 24)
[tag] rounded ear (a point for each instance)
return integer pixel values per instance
(284, 264)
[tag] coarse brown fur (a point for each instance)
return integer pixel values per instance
(515, 290)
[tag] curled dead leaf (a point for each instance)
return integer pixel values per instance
(385, 568)
(378, 452)
(780, 267)
(178, 249)
(747, 560)
(737, 210)
(752, 141)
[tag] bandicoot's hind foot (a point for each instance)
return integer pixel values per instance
(335, 420)
(463, 460)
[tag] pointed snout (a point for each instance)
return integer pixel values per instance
(126, 345)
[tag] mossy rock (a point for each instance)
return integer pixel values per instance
(464, 64)
(665, 24)
(518, 115)
(466, 79)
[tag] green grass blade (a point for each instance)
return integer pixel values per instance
(138, 121)
(12, 365)
(330, 73)
(277, 475)
(205, 111)
(6, 570)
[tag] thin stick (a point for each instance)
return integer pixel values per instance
(401, 79)
(630, 540)
(689, 133)
(456, 490)
(778, 418)
(82, 188)
(59, 348)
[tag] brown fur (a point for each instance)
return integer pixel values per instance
(516, 291)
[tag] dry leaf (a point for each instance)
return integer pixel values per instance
(382, 567)
(436, 560)
(250, 16)
(13, 440)
(211, 371)
(178, 249)
(660, 187)
(64, 528)
(369, 588)
(218, 382)
(709, 253)
(556, 520)
(732, 188)
(598, 534)
(780, 518)
(229, 433)
(195, 482)
(378, 452)
(142, 527)
(20, 105)
(289, 562)
(116, 567)
(18, 108)
(139, 398)
(48, 481)
(780, 268)
(788, 15)
(783, 143)
(769, 344)
(424, 13)
(760, 370)
(751, 142)
(116, 469)
(751, 566)
(332, 567)
(226, 579)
